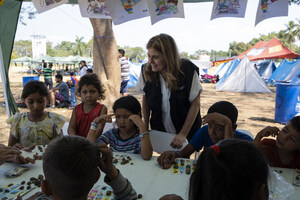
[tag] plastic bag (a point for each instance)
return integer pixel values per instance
(279, 189)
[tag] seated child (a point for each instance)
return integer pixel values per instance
(232, 169)
(36, 127)
(90, 90)
(221, 119)
(285, 150)
(131, 135)
(70, 165)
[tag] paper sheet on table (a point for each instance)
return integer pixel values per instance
(161, 141)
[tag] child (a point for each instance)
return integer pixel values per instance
(285, 150)
(70, 165)
(72, 85)
(131, 135)
(232, 169)
(36, 126)
(90, 90)
(221, 119)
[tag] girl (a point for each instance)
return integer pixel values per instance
(232, 169)
(131, 135)
(90, 90)
(36, 126)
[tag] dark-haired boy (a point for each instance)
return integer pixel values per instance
(284, 151)
(63, 91)
(70, 165)
(221, 119)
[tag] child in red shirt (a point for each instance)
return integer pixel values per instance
(285, 150)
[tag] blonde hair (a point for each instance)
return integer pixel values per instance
(166, 45)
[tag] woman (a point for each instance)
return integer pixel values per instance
(171, 90)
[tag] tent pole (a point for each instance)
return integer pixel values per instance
(3, 78)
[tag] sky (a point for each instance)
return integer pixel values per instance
(194, 32)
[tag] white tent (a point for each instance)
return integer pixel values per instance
(244, 79)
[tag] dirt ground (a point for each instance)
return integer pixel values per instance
(255, 110)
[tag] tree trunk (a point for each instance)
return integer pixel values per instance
(106, 59)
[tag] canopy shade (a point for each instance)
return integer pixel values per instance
(268, 50)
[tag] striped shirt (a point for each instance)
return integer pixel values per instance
(117, 144)
(47, 72)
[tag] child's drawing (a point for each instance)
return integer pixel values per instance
(166, 7)
(128, 5)
(97, 7)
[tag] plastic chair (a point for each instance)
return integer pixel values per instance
(161, 141)
(246, 132)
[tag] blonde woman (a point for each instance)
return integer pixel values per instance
(172, 89)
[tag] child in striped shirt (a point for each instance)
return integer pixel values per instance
(131, 135)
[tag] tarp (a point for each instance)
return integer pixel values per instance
(285, 72)
(268, 50)
(222, 70)
(9, 14)
(231, 67)
(244, 78)
(266, 68)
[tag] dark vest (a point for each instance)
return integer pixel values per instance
(179, 100)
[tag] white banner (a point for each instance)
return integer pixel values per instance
(228, 8)
(271, 8)
(94, 9)
(162, 9)
(125, 10)
(44, 5)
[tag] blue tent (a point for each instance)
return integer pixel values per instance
(135, 70)
(285, 72)
(230, 69)
(266, 69)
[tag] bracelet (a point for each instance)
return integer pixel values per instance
(93, 127)
(142, 134)
(94, 124)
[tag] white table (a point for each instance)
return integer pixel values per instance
(288, 175)
(146, 177)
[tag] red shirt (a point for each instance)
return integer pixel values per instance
(84, 120)
(269, 150)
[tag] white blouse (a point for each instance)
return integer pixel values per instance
(166, 93)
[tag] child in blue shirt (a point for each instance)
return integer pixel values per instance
(221, 124)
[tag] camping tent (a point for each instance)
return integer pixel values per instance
(232, 65)
(222, 69)
(268, 50)
(266, 68)
(244, 78)
(285, 72)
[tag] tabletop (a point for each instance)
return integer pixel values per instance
(147, 178)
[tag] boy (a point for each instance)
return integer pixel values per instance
(62, 95)
(221, 119)
(285, 150)
(70, 165)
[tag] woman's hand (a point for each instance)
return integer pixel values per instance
(178, 141)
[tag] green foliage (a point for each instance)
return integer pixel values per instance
(134, 53)
(22, 48)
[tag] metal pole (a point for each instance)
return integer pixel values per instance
(3, 78)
